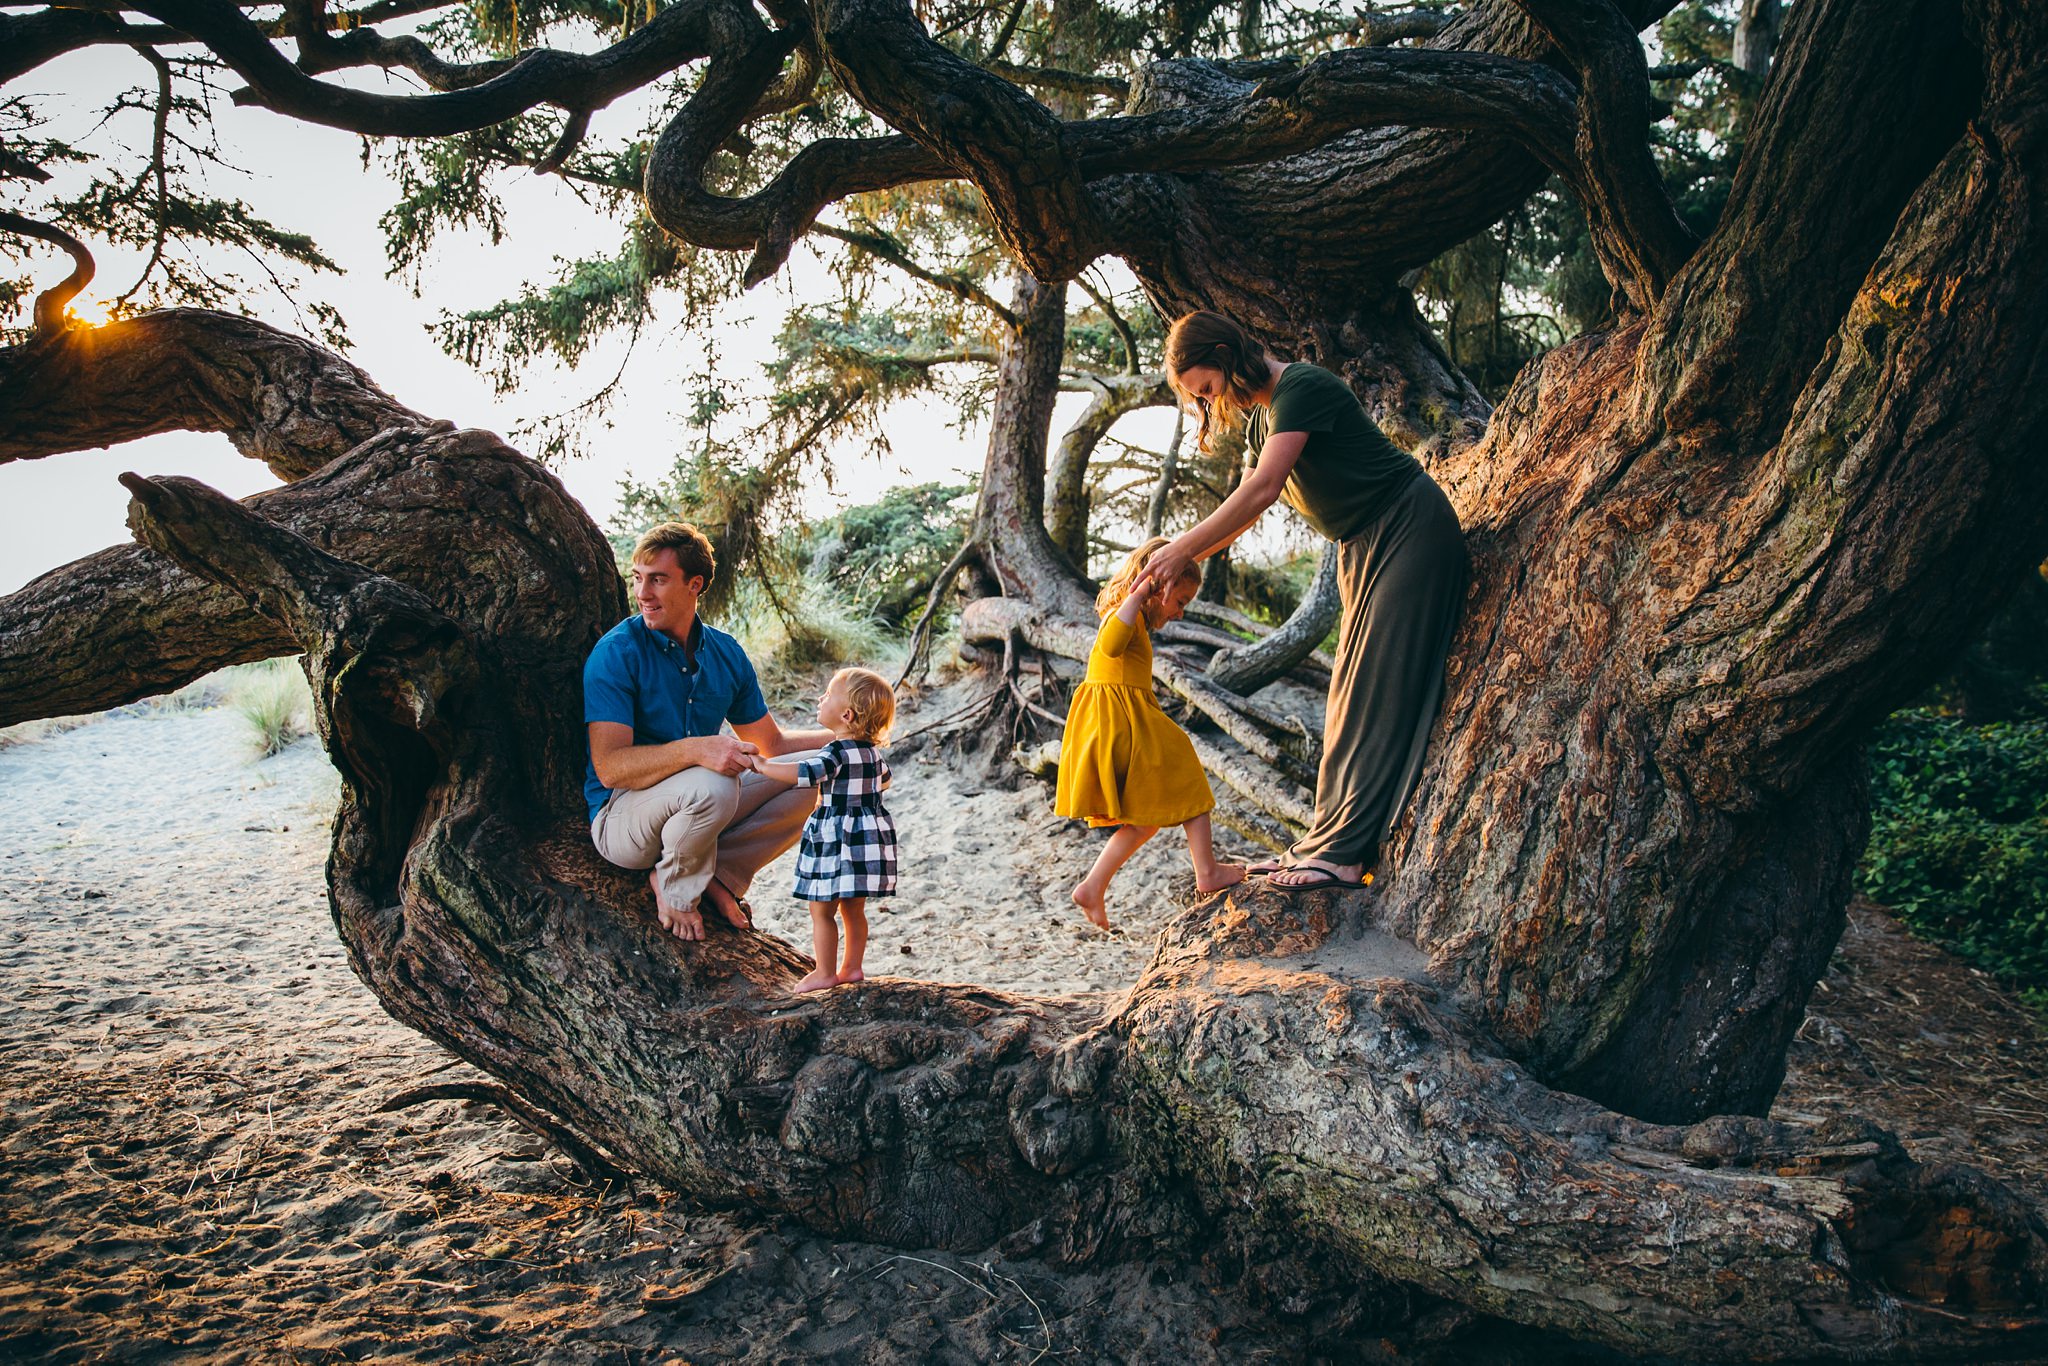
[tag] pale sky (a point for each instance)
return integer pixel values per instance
(313, 180)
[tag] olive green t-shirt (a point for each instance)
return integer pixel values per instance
(1348, 472)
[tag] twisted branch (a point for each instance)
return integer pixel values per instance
(1636, 231)
(50, 319)
(682, 33)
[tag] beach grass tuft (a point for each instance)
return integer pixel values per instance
(274, 703)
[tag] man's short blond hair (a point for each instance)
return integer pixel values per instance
(692, 547)
(872, 702)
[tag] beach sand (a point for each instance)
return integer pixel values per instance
(194, 1167)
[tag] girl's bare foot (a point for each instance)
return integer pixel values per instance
(1093, 904)
(1217, 878)
(853, 975)
(817, 981)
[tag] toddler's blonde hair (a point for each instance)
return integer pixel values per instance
(872, 702)
(1119, 586)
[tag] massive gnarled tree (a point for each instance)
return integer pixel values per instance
(1712, 544)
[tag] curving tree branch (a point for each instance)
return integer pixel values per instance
(1011, 146)
(51, 320)
(1636, 231)
(1067, 480)
(321, 50)
(1299, 111)
(685, 32)
(280, 398)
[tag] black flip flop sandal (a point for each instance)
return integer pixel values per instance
(1324, 880)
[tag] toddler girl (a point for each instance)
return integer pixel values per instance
(848, 852)
(1123, 762)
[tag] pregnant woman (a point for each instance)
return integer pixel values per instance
(1400, 573)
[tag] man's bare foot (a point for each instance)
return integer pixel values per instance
(731, 907)
(685, 923)
(1217, 878)
(1093, 904)
(817, 981)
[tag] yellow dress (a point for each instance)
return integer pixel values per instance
(1123, 761)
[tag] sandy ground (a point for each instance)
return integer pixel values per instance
(193, 1165)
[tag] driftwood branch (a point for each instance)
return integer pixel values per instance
(1247, 667)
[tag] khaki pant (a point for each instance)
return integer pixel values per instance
(1402, 581)
(697, 824)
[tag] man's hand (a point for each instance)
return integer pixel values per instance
(724, 754)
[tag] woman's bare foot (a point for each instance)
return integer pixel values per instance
(1093, 903)
(731, 907)
(1217, 878)
(817, 981)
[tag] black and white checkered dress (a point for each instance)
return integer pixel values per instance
(849, 842)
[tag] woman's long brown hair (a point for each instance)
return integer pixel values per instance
(1207, 338)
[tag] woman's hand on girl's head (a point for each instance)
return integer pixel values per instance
(1167, 566)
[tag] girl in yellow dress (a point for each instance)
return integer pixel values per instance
(1123, 762)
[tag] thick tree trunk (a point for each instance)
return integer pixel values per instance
(1756, 37)
(1009, 520)
(1281, 1070)
(1675, 636)
(1711, 547)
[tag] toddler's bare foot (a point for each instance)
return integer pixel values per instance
(853, 975)
(1093, 904)
(817, 981)
(1217, 878)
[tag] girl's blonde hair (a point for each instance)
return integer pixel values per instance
(872, 702)
(1205, 338)
(1119, 586)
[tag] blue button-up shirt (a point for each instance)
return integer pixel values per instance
(665, 691)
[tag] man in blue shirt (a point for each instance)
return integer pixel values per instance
(666, 790)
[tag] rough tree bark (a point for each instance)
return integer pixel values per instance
(1711, 546)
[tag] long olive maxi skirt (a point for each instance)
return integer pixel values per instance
(1402, 583)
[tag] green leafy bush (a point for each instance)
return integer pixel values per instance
(1959, 838)
(885, 555)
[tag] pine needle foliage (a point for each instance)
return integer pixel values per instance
(142, 177)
